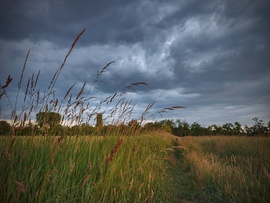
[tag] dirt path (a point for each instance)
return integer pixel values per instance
(183, 184)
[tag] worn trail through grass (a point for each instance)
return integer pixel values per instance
(222, 169)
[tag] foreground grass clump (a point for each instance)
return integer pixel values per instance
(84, 169)
(230, 169)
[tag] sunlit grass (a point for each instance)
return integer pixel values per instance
(233, 169)
(79, 173)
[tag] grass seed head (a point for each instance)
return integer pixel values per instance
(113, 152)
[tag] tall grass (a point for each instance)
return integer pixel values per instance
(80, 171)
(79, 168)
(75, 107)
(233, 169)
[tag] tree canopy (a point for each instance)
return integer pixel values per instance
(50, 118)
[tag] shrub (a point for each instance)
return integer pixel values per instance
(5, 128)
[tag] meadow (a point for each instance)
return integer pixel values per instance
(229, 169)
(84, 169)
(154, 167)
(117, 160)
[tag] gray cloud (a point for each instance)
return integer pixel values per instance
(210, 56)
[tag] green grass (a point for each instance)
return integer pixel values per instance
(137, 172)
(146, 168)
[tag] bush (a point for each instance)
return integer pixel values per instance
(5, 128)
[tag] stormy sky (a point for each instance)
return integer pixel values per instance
(210, 56)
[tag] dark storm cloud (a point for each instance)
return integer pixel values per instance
(56, 20)
(210, 56)
(236, 52)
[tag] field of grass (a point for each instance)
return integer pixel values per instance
(85, 169)
(117, 167)
(154, 167)
(229, 169)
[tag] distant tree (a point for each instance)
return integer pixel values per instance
(49, 118)
(108, 130)
(238, 129)
(99, 121)
(217, 129)
(75, 130)
(228, 129)
(133, 123)
(268, 128)
(197, 129)
(25, 131)
(181, 128)
(248, 130)
(67, 130)
(56, 130)
(209, 130)
(5, 128)
(166, 125)
(258, 128)
(86, 129)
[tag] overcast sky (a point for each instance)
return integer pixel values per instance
(210, 56)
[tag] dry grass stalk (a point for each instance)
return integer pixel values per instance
(165, 110)
(141, 186)
(121, 173)
(73, 45)
(88, 176)
(81, 91)
(25, 94)
(69, 91)
(9, 79)
(130, 184)
(55, 77)
(37, 78)
(113, 97)
(86, 179)
(97, 77)
(131, 87)
(146, 111)
(11, 144)
(113, 152)
(20, 83)
(19, 189)
(23, 121)
(104, 68)
(55, 147)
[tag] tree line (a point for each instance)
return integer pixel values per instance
(48, 123)
(182, 128)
